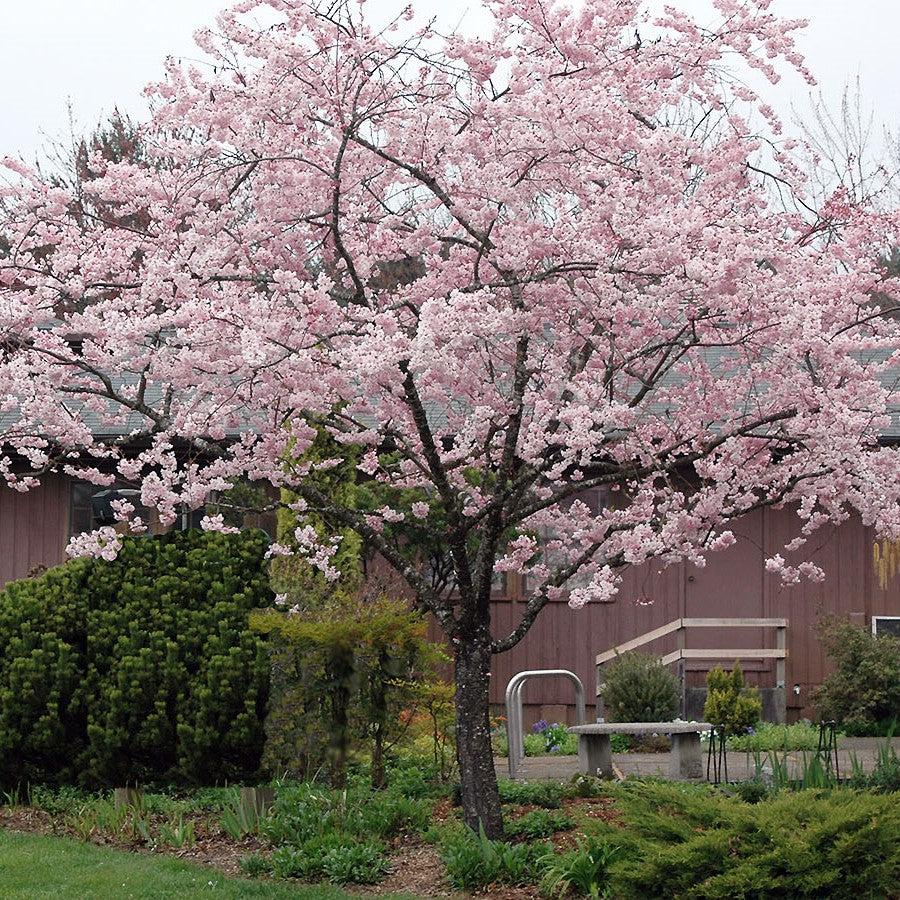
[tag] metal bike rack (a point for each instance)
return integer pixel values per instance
(514, 735)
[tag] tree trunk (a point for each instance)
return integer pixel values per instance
(480, 797)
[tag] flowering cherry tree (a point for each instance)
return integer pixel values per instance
(575, 254)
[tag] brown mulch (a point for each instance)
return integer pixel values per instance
(415, 868)
(26, 819)
(594, 808)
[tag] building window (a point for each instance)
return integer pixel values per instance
(81, 518)
(81, 513)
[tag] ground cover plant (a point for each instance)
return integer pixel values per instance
(632, 839)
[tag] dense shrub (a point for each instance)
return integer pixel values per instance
(638, 688)
(350, 672)
(143, 668)
(682, 841)
(731, 705)
(863, 691)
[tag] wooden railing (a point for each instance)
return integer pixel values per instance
(681, 653)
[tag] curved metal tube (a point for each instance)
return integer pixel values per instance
(514, 735)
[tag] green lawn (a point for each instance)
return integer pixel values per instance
(49, 867)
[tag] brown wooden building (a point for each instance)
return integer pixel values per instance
(35, 528)
(734, 583)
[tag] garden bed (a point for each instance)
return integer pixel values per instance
(635, 838)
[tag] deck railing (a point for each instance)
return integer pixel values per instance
(681, 653)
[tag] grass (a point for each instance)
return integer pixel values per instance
(766, 737)
(33, 866)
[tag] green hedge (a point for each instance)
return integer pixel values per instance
(140, 669)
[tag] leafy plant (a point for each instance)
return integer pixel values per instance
(340, 858)
(474, 861)
(638, 688)
(532, 793)
(177, 833)
(585, 785)
(240, 820)
(354, 864)
(583, 871)
(767, 736)
(863, 691)
(730, 704)
(885, 775)
(59, 801)
(255, 865)
(538, 823)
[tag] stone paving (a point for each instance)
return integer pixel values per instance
(741, 766)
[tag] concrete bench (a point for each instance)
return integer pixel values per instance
(595, 752)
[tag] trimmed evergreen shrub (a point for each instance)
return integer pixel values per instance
(638, 688)
(685, 841)
(730, 704)
(139, 669)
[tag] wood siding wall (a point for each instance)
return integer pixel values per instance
(34, 527)
(733, 583)
(34, 531)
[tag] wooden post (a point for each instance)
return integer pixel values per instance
(256, 801)
(679, 645)
(780, 695)
(126, 796)
(601, 706)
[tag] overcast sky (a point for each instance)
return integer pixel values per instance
(98, 54)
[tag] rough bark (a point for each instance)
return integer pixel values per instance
(480, 797)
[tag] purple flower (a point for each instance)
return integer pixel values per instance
(540, 726)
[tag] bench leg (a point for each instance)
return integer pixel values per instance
(595, 755)
(687, 758)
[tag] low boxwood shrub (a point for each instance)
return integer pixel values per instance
(638, 688)
(139, 669)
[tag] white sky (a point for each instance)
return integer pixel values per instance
(97, 54)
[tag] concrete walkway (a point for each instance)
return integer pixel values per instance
(741, 766)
